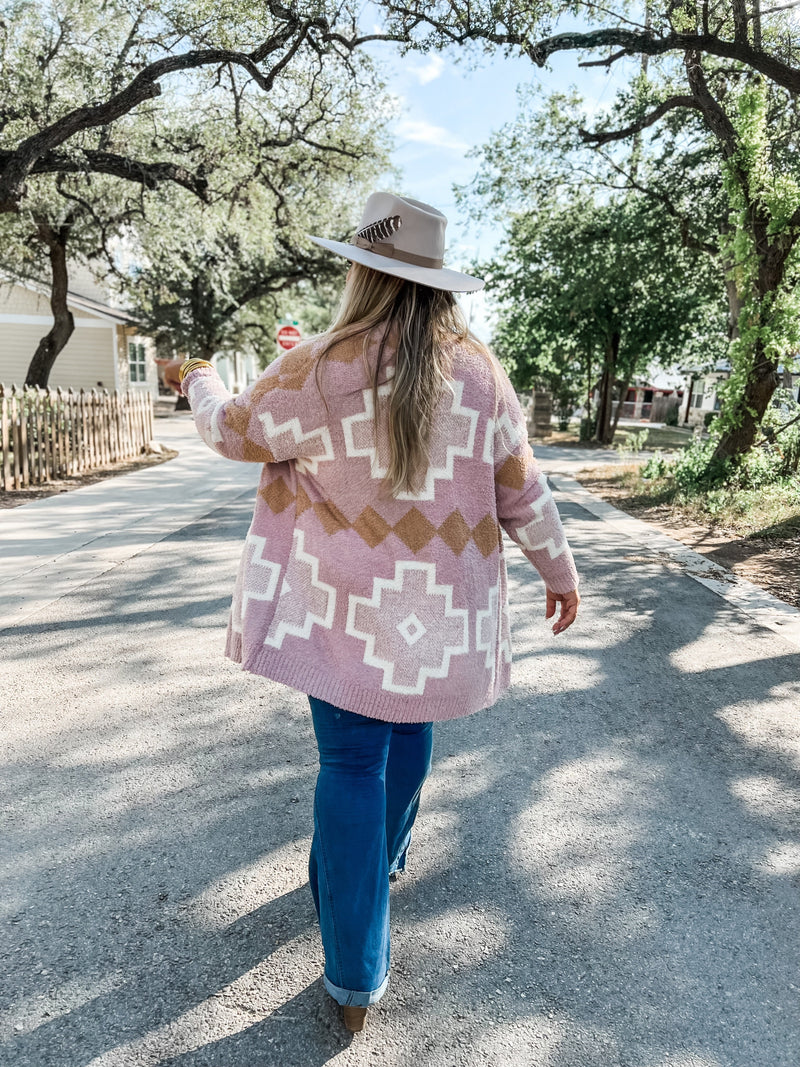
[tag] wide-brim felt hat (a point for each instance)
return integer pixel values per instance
(404, 238)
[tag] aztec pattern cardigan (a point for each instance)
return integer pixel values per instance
(395, 608)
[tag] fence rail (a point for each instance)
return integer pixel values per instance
(52, 433)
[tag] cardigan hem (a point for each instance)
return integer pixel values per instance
(374, 704)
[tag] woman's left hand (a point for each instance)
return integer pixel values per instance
(569, 609)
(171, 375)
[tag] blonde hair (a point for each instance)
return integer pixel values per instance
(425, 323)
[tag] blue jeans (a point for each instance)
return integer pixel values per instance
(367, 796)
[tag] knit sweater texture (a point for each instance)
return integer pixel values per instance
(395, 608)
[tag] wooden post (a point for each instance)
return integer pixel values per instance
(5, 419)
(15, 434)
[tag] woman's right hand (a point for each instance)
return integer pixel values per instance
(569, 609)
(171, 376)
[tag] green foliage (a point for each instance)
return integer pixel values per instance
(763, 188)
(673, 415)
(203, 275)
(576, 277)
(774, 463)
(632, 445)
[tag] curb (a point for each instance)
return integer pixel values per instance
(760, 606)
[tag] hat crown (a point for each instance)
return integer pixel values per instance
(405, 225)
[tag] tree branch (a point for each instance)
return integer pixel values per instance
(135, 170)
(146, 85)
(605, 136)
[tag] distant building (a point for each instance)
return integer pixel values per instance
(703, 390)
(106, 350)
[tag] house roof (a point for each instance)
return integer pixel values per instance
(86, 303)
(99, 308)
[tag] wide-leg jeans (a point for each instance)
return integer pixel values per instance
(366, 800)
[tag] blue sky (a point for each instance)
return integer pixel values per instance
(446, 106)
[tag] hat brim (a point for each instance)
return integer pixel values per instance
(442, 278)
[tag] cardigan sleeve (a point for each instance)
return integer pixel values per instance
(525, 506)
(280, 416)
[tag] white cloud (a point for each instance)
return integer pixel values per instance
(426, 133)
(429, 71)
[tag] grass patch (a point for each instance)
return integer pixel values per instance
(770, 512)
(667, 438)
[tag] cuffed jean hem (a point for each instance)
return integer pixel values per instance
(353, 996)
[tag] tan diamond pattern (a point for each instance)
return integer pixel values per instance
(514, 473)
(413, 529)
(238, 418)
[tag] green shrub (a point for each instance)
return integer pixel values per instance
(708, 418)
(656, 467)
(633, 444)
(672, 415)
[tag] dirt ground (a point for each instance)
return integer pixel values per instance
(771, 563)
(14, 497)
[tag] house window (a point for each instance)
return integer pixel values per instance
(698, 400)
(137, 364)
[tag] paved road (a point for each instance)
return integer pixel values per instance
(606, 866)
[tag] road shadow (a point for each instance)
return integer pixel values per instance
(604, 871)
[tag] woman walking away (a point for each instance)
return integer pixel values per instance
(373, 575)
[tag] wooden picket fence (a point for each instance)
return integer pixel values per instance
(51, 433)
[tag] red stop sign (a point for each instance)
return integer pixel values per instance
(288, 337)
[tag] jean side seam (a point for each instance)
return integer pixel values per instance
(324, 868)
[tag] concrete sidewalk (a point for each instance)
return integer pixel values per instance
(604, 871)
(54, 545)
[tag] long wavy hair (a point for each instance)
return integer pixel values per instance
(422, 325)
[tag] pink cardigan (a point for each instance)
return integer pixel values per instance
(392, 608)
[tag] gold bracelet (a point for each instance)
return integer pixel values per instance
(189, 365)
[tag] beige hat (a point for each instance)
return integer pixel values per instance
(404, 238)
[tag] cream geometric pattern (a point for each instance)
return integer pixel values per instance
(409, 648)
(454, 436)
(315, 601)
(318, 442)
(411, 629)
(210, 407)
(498, 432)
(545, 514)
(491, 630)
(262, 580)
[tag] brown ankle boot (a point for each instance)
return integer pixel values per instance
(355, 1017)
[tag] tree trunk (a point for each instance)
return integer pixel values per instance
(604, 433)
(749, 409)
(623, 392)
(63, 326)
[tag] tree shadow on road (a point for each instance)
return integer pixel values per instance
(604, 871)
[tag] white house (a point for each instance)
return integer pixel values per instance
(106, 350)
(702, 394)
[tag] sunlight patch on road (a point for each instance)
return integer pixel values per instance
(782, 859)
(715, 649)
(768, 725)
(459, 938)
(561, 672)
(251, 886)
(767, 796)
(236, 1007)
(574, 841)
